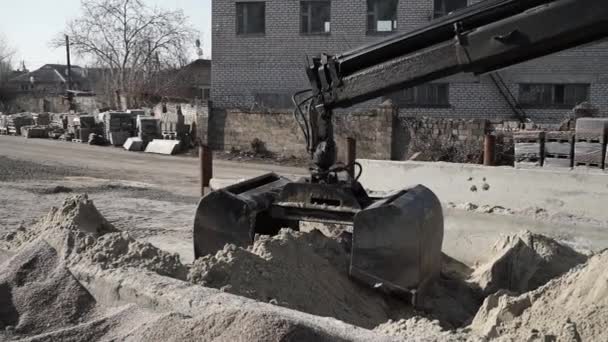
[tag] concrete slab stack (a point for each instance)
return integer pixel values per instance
(529, 147)
(117, 127)
(41, 119)
(559, 149)
(148, 128)
(160, 146)
(34, 132)
(134, 144)
(16, 121)
(590, 143)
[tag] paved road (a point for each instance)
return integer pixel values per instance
(179, 174)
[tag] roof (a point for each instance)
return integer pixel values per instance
(200, 63)
(51, 73)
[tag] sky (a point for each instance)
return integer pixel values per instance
(30, 25)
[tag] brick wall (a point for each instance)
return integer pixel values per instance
(273, 63)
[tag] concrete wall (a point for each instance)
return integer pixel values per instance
(54, 104)
(575, 192)
(273, 63)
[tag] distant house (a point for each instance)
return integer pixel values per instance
(190, 82)
(51, 79)
(48, 90)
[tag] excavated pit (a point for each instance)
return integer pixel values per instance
(75, 277)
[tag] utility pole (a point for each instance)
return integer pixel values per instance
(67, 48)
(69, 94)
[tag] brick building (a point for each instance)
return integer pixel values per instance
(260, 50)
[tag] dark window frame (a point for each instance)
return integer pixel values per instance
(443, 11)
(242, 31)
(417, 97)
(372, 17)
(554, 95)
(309, 17)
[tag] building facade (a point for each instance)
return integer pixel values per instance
(260, 49)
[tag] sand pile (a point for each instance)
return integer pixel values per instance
(525, 261)
(575, 304)
(76, 214)
(303, 271)
(37, 292)
(120, 250)
(83, 234)
(416, 329)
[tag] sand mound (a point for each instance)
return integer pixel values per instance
(227, 325)
(525, 261)
(37, 292)
(303, 271)
(416, 329)
(574, 304)
(65, 283)
(116, 250)
(81, 233)
(77, 213)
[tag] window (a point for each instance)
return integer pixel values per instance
(552, 95)
(426, 95)
(250, 17)
(206, 92)
(445, 7)
(315, 17)
(381, 16)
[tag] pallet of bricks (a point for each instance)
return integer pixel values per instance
(529, 147)
(559, 149)
(3, 124)
(590, 143)
(118, 127)
(84, 125)
(16, 121)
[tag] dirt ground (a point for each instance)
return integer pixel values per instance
(147, 204)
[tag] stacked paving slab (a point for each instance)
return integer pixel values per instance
(529, 147)
(590, 143)
(559, 149)
(118, 127)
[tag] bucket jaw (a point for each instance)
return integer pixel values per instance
(396, 245)
(396, 240)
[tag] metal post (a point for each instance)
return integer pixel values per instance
(489, 150)
(205, 156)
(351, 155)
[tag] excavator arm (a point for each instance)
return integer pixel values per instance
(484, 37)
(487, 36)
(396, 240)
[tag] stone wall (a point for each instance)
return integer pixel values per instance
(236, 129)
(456, 140)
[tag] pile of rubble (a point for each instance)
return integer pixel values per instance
(73, 276)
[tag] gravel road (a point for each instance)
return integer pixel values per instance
(173, 173)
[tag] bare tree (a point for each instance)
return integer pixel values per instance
(131, 42)
(6, 55)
